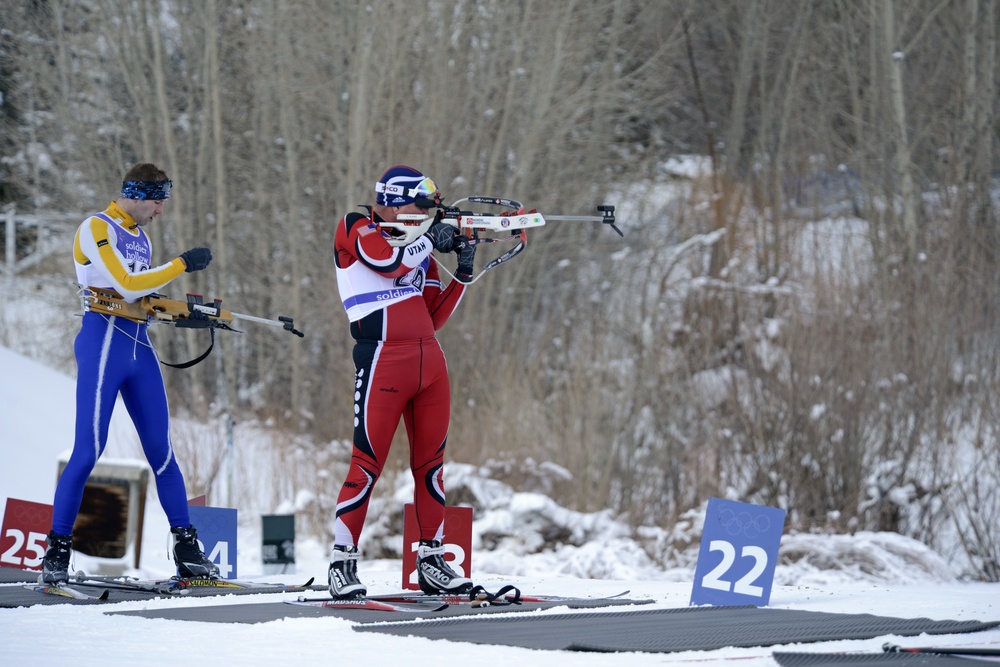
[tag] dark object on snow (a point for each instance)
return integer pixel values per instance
(668, 630)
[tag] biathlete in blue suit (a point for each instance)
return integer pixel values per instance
(114, 355)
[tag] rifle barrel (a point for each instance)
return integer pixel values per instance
(581, 218)
(261, 320)
(285, 323)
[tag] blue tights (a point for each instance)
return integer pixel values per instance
(114, 355)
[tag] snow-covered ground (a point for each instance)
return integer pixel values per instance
(882, 574)
(84, 635)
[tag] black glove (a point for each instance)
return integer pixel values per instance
(196, 259)
(442, 235)
(466, 256)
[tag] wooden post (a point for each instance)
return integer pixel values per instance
(10, 255)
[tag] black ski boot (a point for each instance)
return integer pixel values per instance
(190, 559)
(343, 573)
(55, 564)
(434, 575)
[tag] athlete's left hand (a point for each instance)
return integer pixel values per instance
(466, 257)
(196, 259)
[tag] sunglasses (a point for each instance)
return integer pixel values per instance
(424, 194)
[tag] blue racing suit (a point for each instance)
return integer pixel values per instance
(114, 355)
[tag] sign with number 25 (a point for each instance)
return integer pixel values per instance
(24, 534)
(738, 554)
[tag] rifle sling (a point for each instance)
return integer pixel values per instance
(189, 364)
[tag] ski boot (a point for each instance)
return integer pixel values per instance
(343, 573)
(434, 575)
(55, 564)
(190, 559)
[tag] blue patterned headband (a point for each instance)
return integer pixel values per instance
(155, 190)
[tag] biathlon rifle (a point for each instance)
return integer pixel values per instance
(511, 224)
(191, 314)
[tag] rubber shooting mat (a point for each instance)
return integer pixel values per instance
(669, 630)
(264, 612)
(870, 660)
(13, 593)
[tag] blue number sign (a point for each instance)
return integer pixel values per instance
(739, 550)
(217, 533)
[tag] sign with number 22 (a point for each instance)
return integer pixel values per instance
(738, 554)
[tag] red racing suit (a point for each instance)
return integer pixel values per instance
(395, 304)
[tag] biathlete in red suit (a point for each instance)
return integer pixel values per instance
(391, 288)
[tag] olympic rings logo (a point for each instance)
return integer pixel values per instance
(737, 523)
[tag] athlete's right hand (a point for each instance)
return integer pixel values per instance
(442, 235)
(196, 259)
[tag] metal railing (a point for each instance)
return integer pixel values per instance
(53, 233)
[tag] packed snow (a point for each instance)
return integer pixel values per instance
(882, 574)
